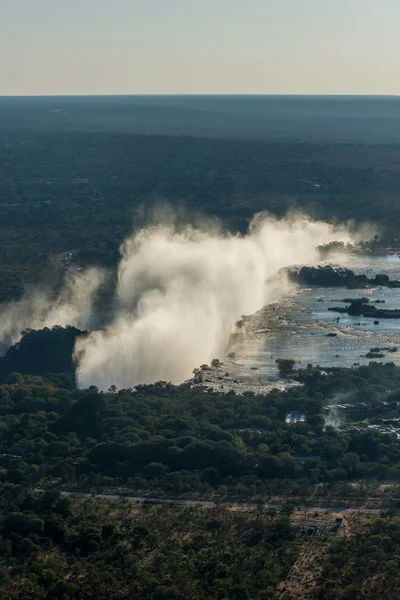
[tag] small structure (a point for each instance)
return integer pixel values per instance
(294, 418)
(338, 525)
(302, 459)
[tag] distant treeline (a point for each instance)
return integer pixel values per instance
(328, 276)
(77, 190)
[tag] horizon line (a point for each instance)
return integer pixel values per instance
(190, 94)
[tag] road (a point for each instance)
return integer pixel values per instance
(207, 503)
(147, 499)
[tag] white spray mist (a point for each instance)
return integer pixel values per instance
(179, 294)
(334, 416)
(38, 308)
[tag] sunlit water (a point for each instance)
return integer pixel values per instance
(298, 327)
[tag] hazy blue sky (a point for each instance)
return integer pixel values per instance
(199, 46)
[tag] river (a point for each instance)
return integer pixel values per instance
(297, 327)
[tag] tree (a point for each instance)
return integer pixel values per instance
(285, 366)
(18, 522)
(155, 470)
(212, 476)
(271, 512)
(350, 462)
(288, 509)
(27, 547)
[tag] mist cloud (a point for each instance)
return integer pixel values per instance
(179, 294)
(40, 308)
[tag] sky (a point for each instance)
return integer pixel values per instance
(50, 47)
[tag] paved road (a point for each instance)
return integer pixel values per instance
(207, 503)
(142, 499)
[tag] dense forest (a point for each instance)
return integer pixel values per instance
(52, 546)
(94, 550)
(188, 441)
(187, 438)
(365, 119)
(62, 191)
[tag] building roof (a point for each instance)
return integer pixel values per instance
(293, 418)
